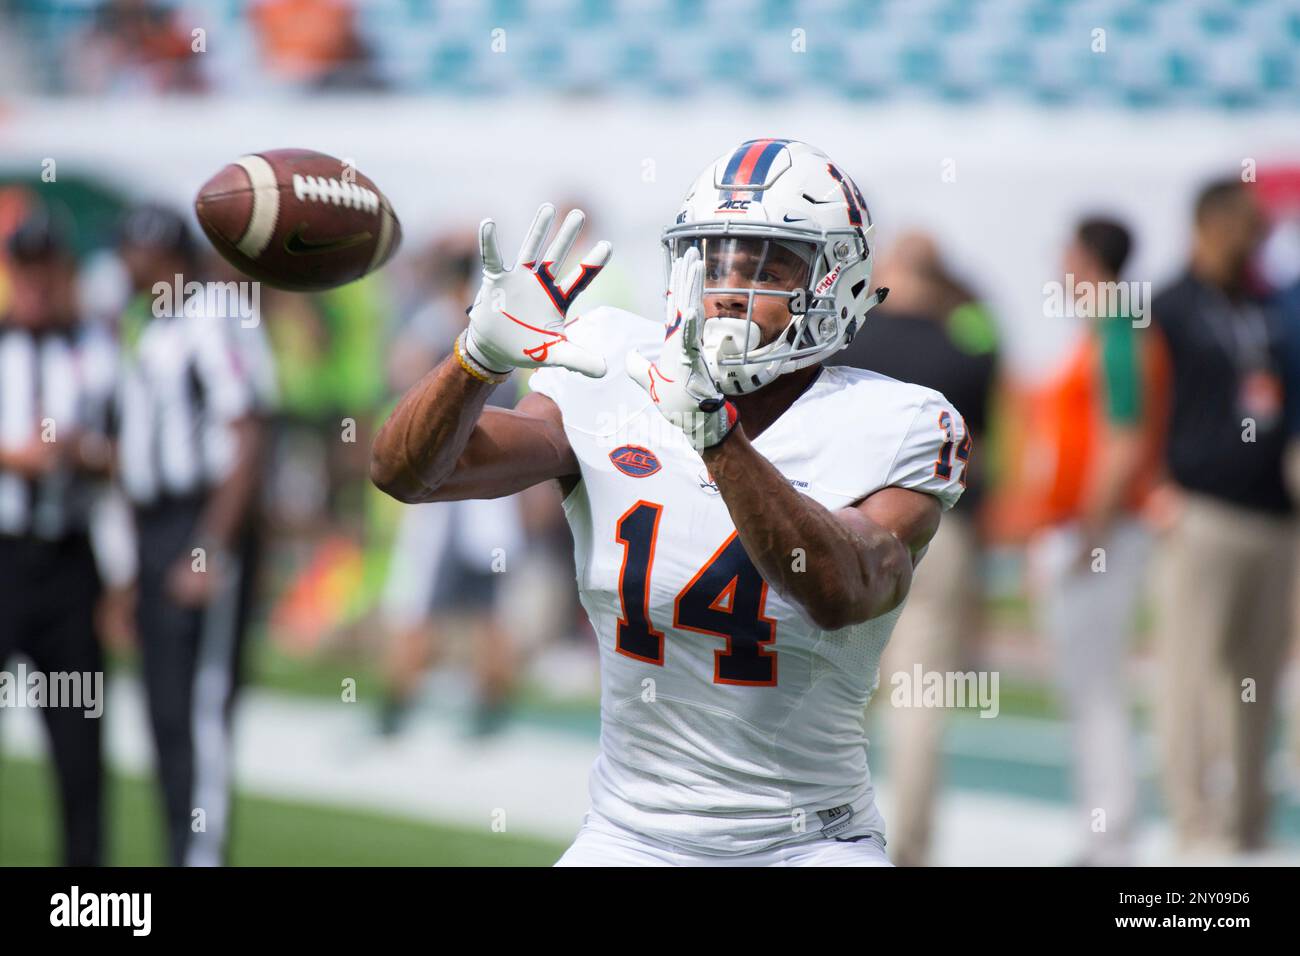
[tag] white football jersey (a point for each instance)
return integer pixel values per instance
(730, 722)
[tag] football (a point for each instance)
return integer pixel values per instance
(297, 219)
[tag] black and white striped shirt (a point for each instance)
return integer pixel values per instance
(55, 385)
(184, 383)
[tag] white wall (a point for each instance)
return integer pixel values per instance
(1021, 175)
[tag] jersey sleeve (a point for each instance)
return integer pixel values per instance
(934, 452)
(227, 380)
(98, 359)
(252, 353)
(609, 332)
(1120, 373)
(549, 382)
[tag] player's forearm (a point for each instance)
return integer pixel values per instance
(839, 575)
(417, 448)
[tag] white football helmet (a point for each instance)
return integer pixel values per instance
(783, 217)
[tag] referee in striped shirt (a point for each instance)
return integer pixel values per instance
(54, 461)
(192, 408)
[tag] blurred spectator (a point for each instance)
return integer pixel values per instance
(1224, 598)
(1280, 263)
(191, 438)
(930, 331)
(18, 58)
(313, 43)
(448, 555)
(1284, 249)
(328, 350)
(328, 361)
(134, 46)
(54, 457)
(1108, 416)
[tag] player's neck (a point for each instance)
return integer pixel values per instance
(760, 409)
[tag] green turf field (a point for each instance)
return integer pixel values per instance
(266, 832)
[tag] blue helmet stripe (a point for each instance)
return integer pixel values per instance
(765, 160)
(734, 164)
(757, 171)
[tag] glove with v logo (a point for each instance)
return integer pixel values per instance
(519, 316)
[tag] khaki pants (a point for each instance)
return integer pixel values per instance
(943, 604)
(1223, 601)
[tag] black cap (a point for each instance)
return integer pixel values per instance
(43, 234)
(157, 227)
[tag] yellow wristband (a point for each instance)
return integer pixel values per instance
(474, 368)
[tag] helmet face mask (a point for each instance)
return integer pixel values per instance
(801, 235)
(742, 269)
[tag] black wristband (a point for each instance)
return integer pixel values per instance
(734, 417)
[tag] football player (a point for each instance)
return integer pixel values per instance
(746, 521)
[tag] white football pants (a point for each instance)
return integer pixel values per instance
(603, 843)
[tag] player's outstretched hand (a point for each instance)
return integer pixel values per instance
(679, 383)
(518, 318)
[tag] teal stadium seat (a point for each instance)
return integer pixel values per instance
(1229, 54)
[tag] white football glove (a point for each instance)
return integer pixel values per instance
(679, 383)
(518, 318)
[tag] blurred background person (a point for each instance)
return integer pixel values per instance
(134, 46)
(190, 447)
(1285, 277)
(54, 459)
(931, 331)
(1224, 599)
(313, 43)
(329, 536)
(1107, 418)
(449, 558)
(328, 357)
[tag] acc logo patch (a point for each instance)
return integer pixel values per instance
(635, 461)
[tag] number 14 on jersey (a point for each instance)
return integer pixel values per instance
(724, 600)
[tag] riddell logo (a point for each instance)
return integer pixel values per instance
(635, 461)
(828, 282)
